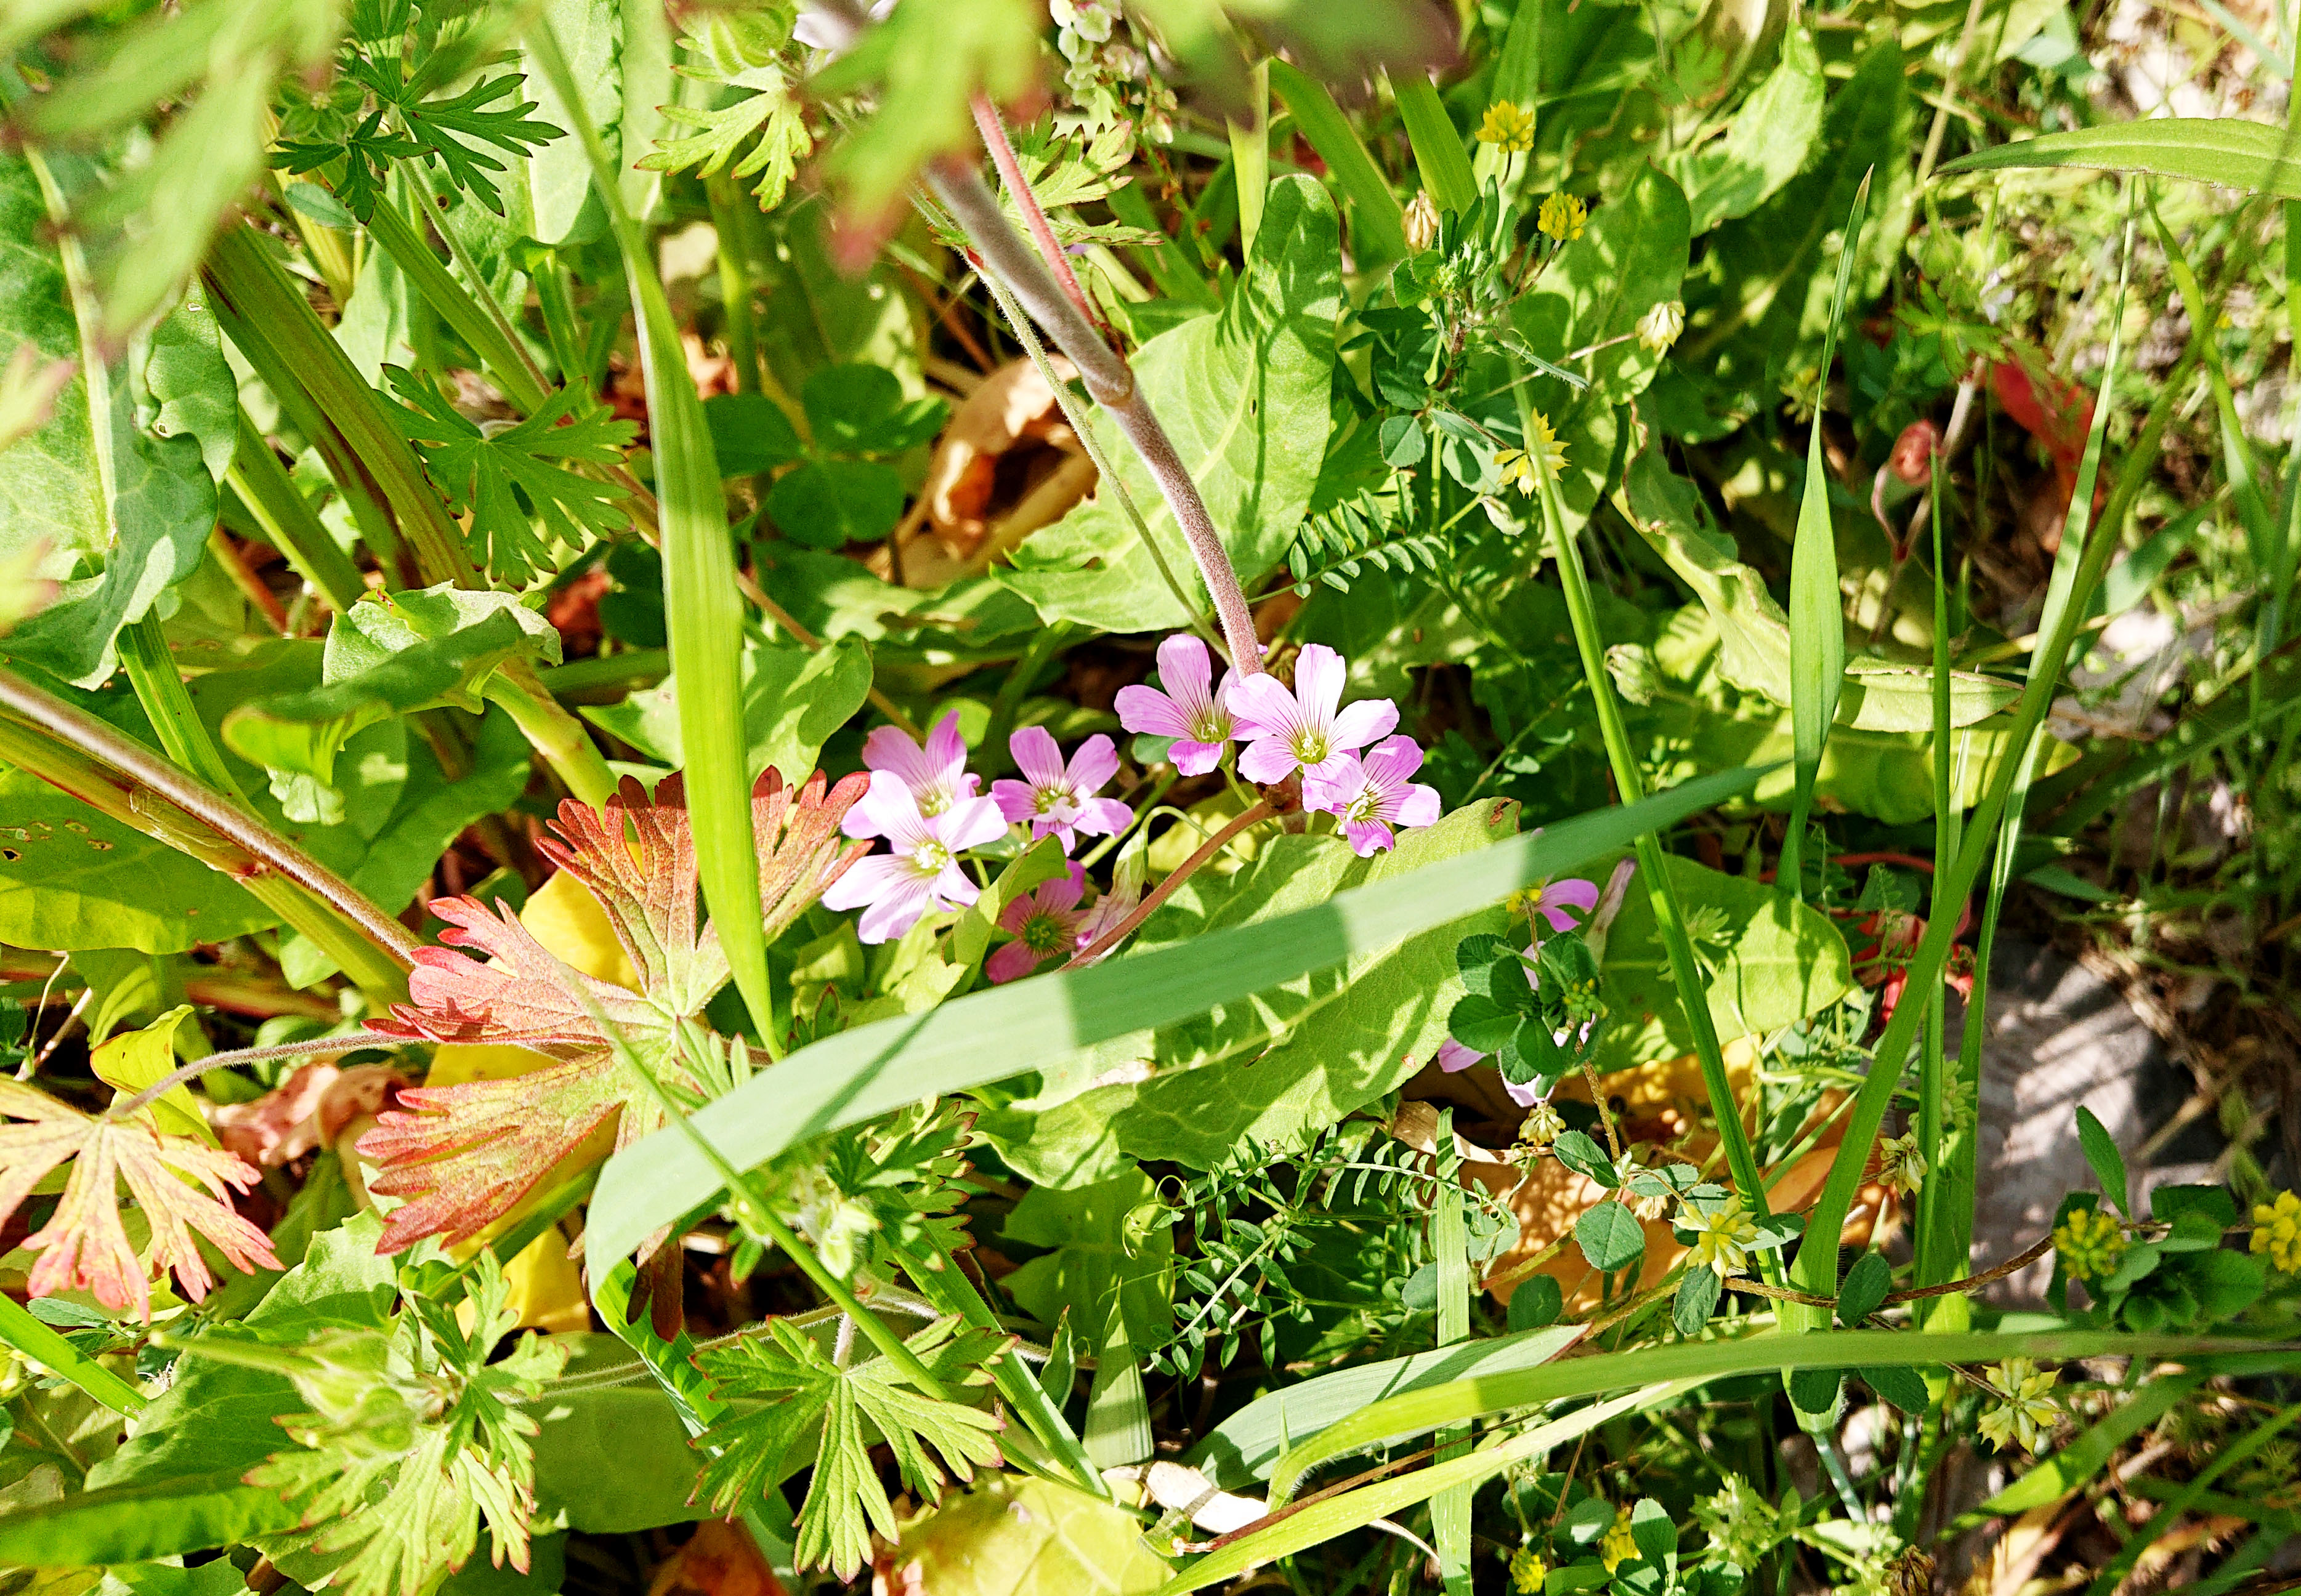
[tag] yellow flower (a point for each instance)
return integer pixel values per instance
(2276, 1231)
(1659, 327)
(1515, 467)
(1527, 1570)
(2090, 1243)
(1561, 217)
(1541, 1127)
(1508, 126)
(1721, 1240)
(1620, 1546)
(1899, 1164)
(2024, 1410)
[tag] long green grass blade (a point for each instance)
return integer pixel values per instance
(1937, 1262)
(1417, 1413)
(1449, 1509)
(2203, 149)
(987, 1036)
(1817, 615)
(1816, 1268)
(1437, 147)
(703, 606)
(2225, 1458)
(1377, 223)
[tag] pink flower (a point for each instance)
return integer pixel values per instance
(895, 889)
(1060, 800)
(936, 774)
(1371, 794)
(1190, 711)
(1301, 730)
(1556, 899)
(1453, 1057)
(1046, 924)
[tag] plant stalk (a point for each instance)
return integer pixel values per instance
(291, 524)
(1262, 809)
(460, 308)
(558, 736)
(1111, 381)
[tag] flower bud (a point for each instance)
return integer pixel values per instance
(1421, 222)
(1659, 327)
(1913, 459)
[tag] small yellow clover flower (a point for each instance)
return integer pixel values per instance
(2276, 1231)
(1722, 1239)
(1562, 217)
(1899, 1164)
(1659, 327)
(1528, 1571)
(1515, 467)
(2025, 1410)
(1620, 1546)
(1508, 126)
(2091, 1244)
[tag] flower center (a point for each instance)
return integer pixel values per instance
(934, 801)
(930, 858)
(1212, 726)
(1311, 746)
(1044, 934)
(1048, 800)
(1366, 805)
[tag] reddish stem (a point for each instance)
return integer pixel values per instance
(1261, 810)
(1010, 173)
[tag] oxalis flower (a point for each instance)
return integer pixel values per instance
(1056, 800)
(1560, 902)
(1046, 923)
(1191, 710)
(921, 871)
(1371, 794)
(936, 774)
(1306, 730)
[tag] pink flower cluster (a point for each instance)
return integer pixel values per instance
(1309, 731)
(927, 805)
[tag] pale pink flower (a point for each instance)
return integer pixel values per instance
(936, 774)
(1046, 923)
(1191, 710)
(1302, 730)
(1058, 799)
(922, 872)
(1371, 794)
(1557, 901)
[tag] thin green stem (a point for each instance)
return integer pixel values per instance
(464, 309)
(559, 737)
(731, 215)
(292, 525)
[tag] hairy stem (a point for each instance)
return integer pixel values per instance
(1035, 216)
(1111, 380)
(261, 848)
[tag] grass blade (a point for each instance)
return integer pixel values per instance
(1816, 1268)
(2227, 151)
(1377, 223)
(986, 1036)
(1449, 1245)
(1817, 616)
(42, 1344)
(703, 606)
(1936, 1263)
(1438, 146)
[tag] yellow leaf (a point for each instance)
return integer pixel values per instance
(135, 1059)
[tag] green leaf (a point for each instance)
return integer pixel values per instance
(763, 104)
(1041, 862)
(1048, 1022)
(593, 32)
(611, 1455)
(1766, 143)
(1580, 1153)
(828, 503)
(2229, 151)
(792, 703)
(1652, 1528)
(1240, 1450)
(1107, 1247)
(1864, 1289)
(2108, 1164)
(1903, 1387)
(1319, 1046)
(856, 408)
(385, 658)
(1631, 257)
(1378, 223)
(525, 505)
(1536, 1303)
(750, 433)
(1782, 962)
(90, 499)
(1753, 632)
(1245, 396)
(1610, 1236)
(1116, 1432)
(129, 1063)
(1696, 1300)
(1013, 1536)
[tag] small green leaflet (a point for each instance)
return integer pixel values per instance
(1610, 1236)
(512, 481)
(808, 1397)
(768, 109)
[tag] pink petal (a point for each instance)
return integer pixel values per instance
(1267, 759)
(1185, 668)
(865, 882)
(1393, 759)
(1318, 677)
(1363, 722)
(970, 823)
(1012, 961)
(946, 750)
(1194, 759)
(1104, 817)
(1526, 1095)
(1581, 894)
(1368, 837)
(888, 810)
(895, 912)
(1147, 710)
(1093, 765)
(1017, 913)
(1037, 755)
(1061, 895)
(1340, 780)
(1261, 708)
(1419, 807)
(951, 889)
(887, 749)
(1453, 1057)
(1017, 800)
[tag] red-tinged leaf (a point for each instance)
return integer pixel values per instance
(463, 1156)
(181, 1185)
